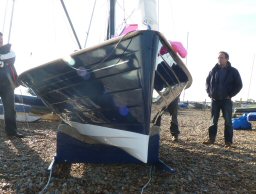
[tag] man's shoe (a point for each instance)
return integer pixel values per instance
(208, 142)
(17, 134)
(228, 144)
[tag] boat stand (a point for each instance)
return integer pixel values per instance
(164, 167)
(72, 147)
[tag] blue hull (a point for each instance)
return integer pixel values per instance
(114, 92)
(36, 104)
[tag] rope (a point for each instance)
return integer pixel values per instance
(48, 182)
(150, 177)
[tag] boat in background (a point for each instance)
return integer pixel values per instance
(23, 113)
(30, 109)
(36, 104)
(110, 95)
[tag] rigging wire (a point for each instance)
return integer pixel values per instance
(126, 16)
(10, 27)
(90, 23)
(70, 23)
(48, 182)
(5, 13)
(124, 8)
(150, 177)
(124, 22)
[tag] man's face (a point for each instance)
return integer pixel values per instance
(222, 59)
(1, 40)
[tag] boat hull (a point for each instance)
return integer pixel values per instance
(36, 104)
(23, 113)
(113, 92)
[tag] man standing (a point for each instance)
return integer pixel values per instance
(222, 83)
(8, 82)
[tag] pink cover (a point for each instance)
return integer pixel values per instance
(129, 28)
(177, 47)
(163, 50)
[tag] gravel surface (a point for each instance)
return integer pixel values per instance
(200, 168)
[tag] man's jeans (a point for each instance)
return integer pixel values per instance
(226, 107)
(7, 95)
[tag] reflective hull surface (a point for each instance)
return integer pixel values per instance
(115, 90)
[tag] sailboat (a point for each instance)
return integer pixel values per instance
(35, 103)
(109, 96)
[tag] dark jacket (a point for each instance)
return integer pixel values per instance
(8, 73)
(232, 82)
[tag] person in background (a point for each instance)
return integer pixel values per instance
(166, 74)
(222, 83)
(8, 82)
(174, 124)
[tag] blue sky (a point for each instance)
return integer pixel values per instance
(40, 33)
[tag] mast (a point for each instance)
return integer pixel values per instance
(111, 22)
(251, 78)
(186, 66)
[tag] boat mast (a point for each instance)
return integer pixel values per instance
(111, 22)
(251, 78)
(186, 66)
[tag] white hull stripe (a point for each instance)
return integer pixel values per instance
(135, 144)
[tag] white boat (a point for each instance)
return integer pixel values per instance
(23, 113)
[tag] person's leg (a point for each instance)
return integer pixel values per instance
(173, 111)
(158, 121)
(9, 111)
(227, 114)
(215, 114)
